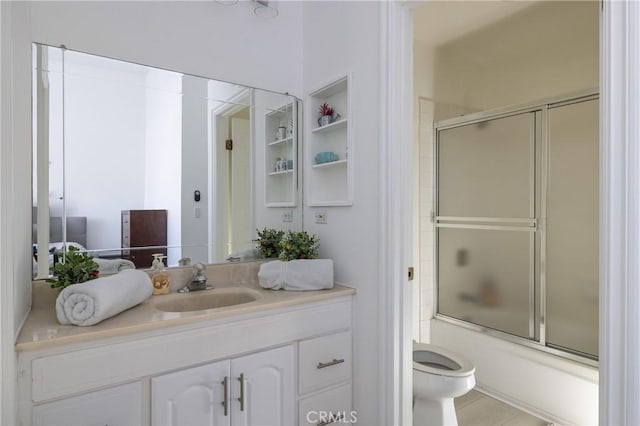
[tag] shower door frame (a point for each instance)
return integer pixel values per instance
(536, 225)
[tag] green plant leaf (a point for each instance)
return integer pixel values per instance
(73, 268)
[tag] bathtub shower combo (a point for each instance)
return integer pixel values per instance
(516, 219)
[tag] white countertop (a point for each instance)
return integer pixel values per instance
(42, 330)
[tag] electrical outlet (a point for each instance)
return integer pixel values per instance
(287, 216)
(321, 217)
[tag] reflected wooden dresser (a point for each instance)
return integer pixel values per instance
(143, 228)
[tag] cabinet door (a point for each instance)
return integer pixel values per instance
(117, 406)
(191, 397)
(263, 392)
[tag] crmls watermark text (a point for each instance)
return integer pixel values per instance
(327, 417)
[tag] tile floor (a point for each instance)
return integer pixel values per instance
(478, 409)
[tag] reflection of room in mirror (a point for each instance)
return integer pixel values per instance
(114, 137)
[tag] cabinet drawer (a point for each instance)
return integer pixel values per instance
(332, 406)
(116, 406)
(324, 361)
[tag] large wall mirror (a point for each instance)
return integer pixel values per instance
(131, 160)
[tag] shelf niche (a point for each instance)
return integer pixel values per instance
(330, 183)
(280, 185)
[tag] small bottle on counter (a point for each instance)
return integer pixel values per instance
(160, 277)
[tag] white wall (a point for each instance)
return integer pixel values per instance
(15, 201)
(163, 164)
(532, 55)
(200, 38)
(342, 37)
(195, 168)
(105, 125)
(19, 180)
(423, 110)
(546, 50)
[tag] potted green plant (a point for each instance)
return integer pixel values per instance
(326, 114)
(268, 242)
(299, 267)
(299, 245)
(74, 267)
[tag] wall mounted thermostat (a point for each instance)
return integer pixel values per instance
(196, 195)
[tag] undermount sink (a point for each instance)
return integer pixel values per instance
(208, 299)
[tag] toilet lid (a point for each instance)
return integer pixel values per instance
(436, 360)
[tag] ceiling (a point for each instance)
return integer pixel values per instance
(439, 22)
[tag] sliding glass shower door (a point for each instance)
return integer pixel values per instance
(517, 225)
(486, 223)
(572, 228)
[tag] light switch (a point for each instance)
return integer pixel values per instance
(321, 217)
(196, 212)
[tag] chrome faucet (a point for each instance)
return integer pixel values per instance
(198, 280)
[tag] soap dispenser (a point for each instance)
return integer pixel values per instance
(160, 277)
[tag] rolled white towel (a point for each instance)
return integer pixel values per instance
(303, 274)
(93, 301)
(112, 266)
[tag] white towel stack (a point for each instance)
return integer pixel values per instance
(113, 266)
(93, 301)
(304, 274)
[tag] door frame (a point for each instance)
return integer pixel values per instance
(396, 213)
(619, 212)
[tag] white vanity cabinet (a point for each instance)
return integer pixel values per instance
(252, 390)
(116, 406)
(291, 359)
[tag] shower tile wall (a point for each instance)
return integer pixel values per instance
(426, 229)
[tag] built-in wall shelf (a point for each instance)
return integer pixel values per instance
(331, 164)
(281, 155)
(336, 125)
(284, 172)
(330, 184)
(285, 140)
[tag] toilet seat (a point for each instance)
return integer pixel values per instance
(451, 364)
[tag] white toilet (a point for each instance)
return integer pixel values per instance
(439, 376)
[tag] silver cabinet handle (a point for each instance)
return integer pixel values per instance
(241, 399)
(329, 364)
(332, 419)
(225, 402)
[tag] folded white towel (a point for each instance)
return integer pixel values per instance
(243, 256)
(90, 302)
(304, 274)
(113, 266)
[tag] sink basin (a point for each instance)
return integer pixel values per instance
(208, 299)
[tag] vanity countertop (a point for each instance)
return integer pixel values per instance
(41, 330)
